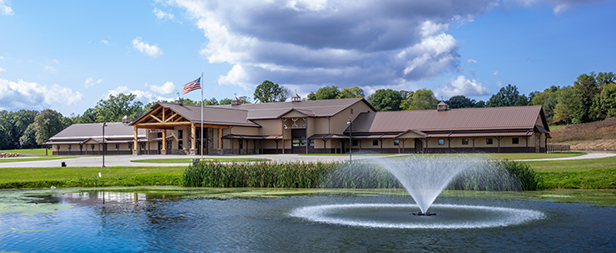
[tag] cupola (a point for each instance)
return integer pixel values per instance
(442, 106)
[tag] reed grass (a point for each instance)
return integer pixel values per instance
(513, 176)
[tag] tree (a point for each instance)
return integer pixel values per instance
(116, 107)
(211, 101)
(422, 99)
(567, 106)
(548, 100)
(225, 101)
(28, 139)
(386, 100)
(586, 89)
(507, 96)
(405, 94)
(268, 92)
(461, 101)
(605, 78)
(47, 124)
(351, 92)
(607, 101)
(327, 92)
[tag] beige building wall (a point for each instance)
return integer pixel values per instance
(270, 126)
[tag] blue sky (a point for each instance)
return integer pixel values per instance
(68, 55)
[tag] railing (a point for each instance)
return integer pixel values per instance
(553, 148)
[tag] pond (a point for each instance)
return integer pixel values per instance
(187, 220)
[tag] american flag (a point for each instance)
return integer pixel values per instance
(194, 85)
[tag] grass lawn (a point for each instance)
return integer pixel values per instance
(88, 176)
(36, 151)
(523, 156)
(30, 158)
(189, 160)
(575, 174)
(346, 154)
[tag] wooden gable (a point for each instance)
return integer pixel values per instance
(160, 117)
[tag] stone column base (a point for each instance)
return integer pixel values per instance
(135, 152)
(163, 152)
(193, 151)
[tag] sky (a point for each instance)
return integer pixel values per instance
(68, 55)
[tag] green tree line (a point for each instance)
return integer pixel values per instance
(592, 97)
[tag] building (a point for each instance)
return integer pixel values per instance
(322, 126)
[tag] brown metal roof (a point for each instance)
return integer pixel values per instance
(212, 115)
(490, 134)
(493, 118)
(315, 108)
(113, 130)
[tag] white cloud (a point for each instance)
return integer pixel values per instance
(558, 6)
(23, 94)
(166, 88)
(145, 48)
(320, 43)
(496, 74)
(1, 69)
(4, 9)
(50, 69)
(472, 61)
(499, 84)
(463, 86)
(161, 14)
(144, 96)
(1, 57)
(89, 82)
(105, 42)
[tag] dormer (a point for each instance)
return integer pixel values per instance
(442, 106)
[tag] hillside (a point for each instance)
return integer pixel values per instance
(600, 135)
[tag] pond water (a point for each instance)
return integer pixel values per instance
(89, 220)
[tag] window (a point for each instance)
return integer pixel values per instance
(69, 146)
(241, 144)
(375, 142)
(117, 146)
(58, 147)
(142, 145)
(92, 146)
(441, 141)
(130, 146)
(354, 143)
(295, 143)
(396, 142)
(464, 141)
(159, 135)
(489, 141)
(351, 110)
(80, 147)
(180, 144)
(180, 134)
(515, 140)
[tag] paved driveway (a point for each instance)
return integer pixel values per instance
(111, 161)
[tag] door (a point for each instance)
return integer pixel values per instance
(418, 146)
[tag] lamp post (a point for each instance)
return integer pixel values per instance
(350, 140)
(104, 125)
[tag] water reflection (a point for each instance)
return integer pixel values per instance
(173, 220)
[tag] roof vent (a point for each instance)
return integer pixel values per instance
(442, 106)
(235, 101)
(296, 98)
(125, 120)
(179, 101)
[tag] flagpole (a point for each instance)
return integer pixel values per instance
(202, 102)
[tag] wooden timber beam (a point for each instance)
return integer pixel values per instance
(157, 119)
(167, 124)
(172, 116)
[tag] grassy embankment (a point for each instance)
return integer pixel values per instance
(600, 135)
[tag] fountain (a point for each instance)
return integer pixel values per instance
(424, 177)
